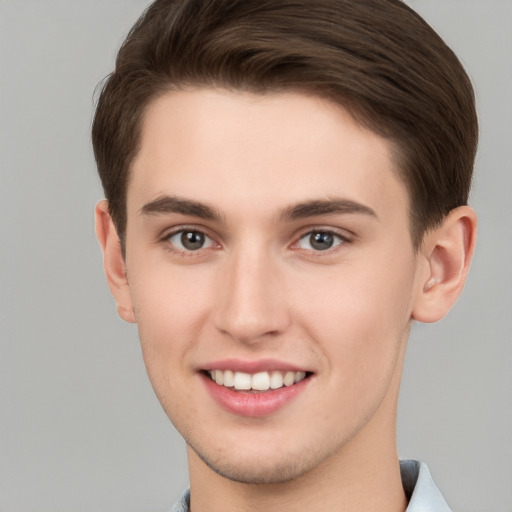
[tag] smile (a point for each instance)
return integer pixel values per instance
(261, 381)
(255, 388)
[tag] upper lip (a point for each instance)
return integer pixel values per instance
(260, 365)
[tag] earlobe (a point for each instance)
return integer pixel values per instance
(447, 252)
(113, 261)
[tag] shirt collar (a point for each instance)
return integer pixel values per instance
(420, 489)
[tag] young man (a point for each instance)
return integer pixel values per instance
(286, 188)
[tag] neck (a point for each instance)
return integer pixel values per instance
(378, 489)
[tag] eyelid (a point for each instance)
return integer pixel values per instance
(343, 234)
(165, 239)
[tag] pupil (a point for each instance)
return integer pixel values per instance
(321, 241)
(192, 240)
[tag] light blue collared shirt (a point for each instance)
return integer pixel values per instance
(420, 489)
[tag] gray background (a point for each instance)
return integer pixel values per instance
(80, 429)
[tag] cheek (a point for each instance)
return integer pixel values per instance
(171, 308)
(360, 315)
(168, 296)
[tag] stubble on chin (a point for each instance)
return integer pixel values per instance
(258, 471)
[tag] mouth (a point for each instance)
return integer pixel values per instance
(255, 388)
(259, 382)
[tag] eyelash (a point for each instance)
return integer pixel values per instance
(166, 239)
(341, 240)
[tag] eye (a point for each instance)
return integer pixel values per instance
(187, 240)
(320, 240)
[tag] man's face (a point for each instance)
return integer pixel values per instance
(268, 247)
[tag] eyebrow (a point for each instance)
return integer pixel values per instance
(174, 204)
(331, 206)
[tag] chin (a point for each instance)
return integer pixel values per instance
(258, 470)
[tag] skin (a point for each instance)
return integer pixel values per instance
(234, 166)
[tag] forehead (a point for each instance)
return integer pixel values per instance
(224, 147)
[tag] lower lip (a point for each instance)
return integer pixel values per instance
(254, 405)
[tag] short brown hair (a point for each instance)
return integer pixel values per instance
(377, 58)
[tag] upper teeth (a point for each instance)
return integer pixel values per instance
(258, 381)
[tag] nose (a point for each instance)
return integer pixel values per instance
(251, 303)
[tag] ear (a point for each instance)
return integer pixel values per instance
(447, 252)
(113, 261)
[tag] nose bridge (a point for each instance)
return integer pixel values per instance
(250, 302)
